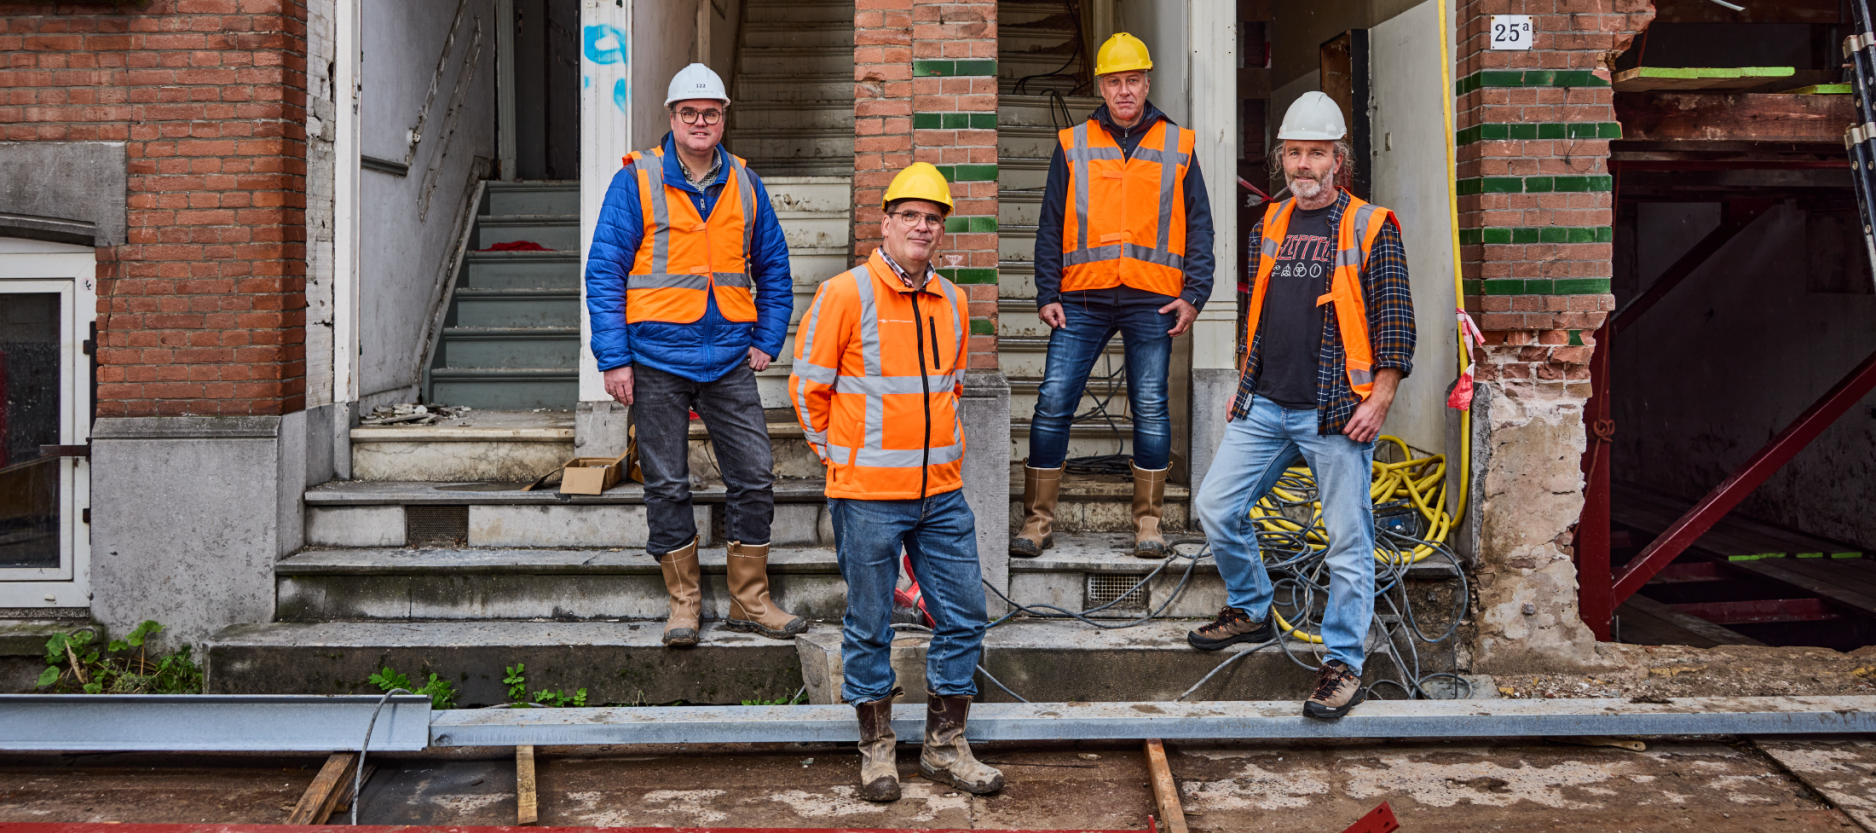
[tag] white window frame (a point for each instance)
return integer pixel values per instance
(33, 266)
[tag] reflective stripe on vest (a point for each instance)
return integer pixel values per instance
(656, 290)
(1354, 242)
(875, 384)
(1104, 251)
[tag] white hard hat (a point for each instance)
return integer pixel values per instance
(1314, 117)
(695, 81)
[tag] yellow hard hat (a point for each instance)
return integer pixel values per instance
(919, 181)
(1122, 53)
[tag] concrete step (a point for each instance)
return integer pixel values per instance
(1016, 279)
(560, 232)
(559, 584)
(623, 662)
(1016, 318)
(1023, 174)
(1044, 69)
(1018, 142)
(767, 115)
(823, 34)
(823, 167)
(515, 308)
(791, 143)
(482, 445)
(1034, 34)
(521, 270)
(812, 89)
(532, 197)
(540, 347)
(1086, 439)
(1044, 110)
(514, 389)
(832, 194)
(1016, 242)
(1020, 208)
(1023, 392)
(814, 230)
(766, 11)
(778, 60)
(1098, 503)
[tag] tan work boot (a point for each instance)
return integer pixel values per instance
(1041, 487)
(751, 609)
(1149, 497)
(680, 580)
(1337, 690)
(879, 766)
(947, 758)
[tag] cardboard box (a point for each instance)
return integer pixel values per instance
(586, 475)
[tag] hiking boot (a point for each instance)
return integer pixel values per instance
(1230, 627)
(1337, 690)
(947, 758)
(1041, 488)
(751, 609)
(879, 768)
(681, 575)
(1149, 494)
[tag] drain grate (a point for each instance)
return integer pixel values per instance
(1105, 587)
(436, 525)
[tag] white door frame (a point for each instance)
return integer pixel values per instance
(70, 272)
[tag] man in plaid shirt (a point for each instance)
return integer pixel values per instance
(1330, 329)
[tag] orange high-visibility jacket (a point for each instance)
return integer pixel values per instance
(1354, 242)
(683, 256)
(1125, 218)
(877, 375)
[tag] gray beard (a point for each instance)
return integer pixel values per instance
(1306, 187)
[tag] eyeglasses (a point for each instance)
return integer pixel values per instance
(689, 116)
(914, 219)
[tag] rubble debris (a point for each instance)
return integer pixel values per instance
(412, 413)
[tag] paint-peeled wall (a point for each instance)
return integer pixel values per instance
(427, 132)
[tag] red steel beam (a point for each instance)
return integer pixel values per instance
(1664, 549)
(1595, 601)
(1760, 611)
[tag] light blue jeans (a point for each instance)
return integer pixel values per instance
(1256, 449)
(868, 537)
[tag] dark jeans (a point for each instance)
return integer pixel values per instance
(1093, 318)
(739, 436)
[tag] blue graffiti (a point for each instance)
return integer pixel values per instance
(621, 96)
(605, 44)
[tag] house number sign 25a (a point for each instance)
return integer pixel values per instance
(1511, 31)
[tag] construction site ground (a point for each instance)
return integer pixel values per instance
(1675, 784)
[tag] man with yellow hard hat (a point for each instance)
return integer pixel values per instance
(879, 366)
(1123, 244)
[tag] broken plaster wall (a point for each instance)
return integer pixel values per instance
(321, 182)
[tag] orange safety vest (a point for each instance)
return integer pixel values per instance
(1358, 228)
(683, 256)
(1125, 219)
(877, 374)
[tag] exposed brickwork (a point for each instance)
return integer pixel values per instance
(1535, 129)
(932, 116)
(202, 310)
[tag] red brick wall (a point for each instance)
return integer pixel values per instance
(1536, 225)
(925, 90)
(202, 310)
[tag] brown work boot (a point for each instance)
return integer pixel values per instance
(1230, 627)
(879, 765)
(680, 580)
(1041, 487)
(1337, 690)
(947, 758)
(751, 609)
(1149, 497)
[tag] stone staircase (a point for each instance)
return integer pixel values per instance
(793, 108)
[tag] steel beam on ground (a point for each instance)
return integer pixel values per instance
(1759, 611)
(1728, 494)
(209, 723)
(1246, 720)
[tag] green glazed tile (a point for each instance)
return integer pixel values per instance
(983, 121)
(927, 121)
(1551, 131)
(1504, 287)
(970, 276)
(974, 173)
(926, 69)
(983, 327)
(1524, 131)
(1576, 338)
(976, 67)
(1525, 234)
(1541, 184)
(1498, 236)
(1502, 185)
(956, 121)
(1582, 286)
(1553, 234)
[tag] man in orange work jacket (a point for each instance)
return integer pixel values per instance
(689, 295)
(1123, 244)
(879, 365)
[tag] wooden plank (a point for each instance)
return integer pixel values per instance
(526, 809)
(1700, 633)
(1757, 118)
(333, 782)
(1825, 569)
(1688, 79)
(1780, 11)
(1771, 569)
(1172, 816)
(1822, 89)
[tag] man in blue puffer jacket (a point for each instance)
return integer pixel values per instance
(689, 294)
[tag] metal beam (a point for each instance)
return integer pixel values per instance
(208, 723)
(1759, 611)
(1755, 471)
(1169, 721)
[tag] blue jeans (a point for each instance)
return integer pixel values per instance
(1256, 449)
(868, 537)
(1093, 318)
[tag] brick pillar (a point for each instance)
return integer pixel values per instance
(882, 110)
(1536, 211)
(202, 310)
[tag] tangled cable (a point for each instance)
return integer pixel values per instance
(1411, 526)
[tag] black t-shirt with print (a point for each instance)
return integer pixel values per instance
(1291, 323)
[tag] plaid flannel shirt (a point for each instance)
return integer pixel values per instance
(1390, 327)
